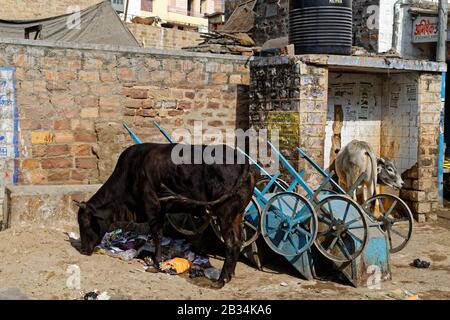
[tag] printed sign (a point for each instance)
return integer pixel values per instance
(42, 137)
(365, 92)
(411, 92)
(395, 97)
(288, 126)
(8, 128)
(426, 29)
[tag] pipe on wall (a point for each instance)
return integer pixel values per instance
(441, 50)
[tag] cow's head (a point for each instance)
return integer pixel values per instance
(388, 174)
(91, 226)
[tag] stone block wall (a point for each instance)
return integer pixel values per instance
(72, 102)
(44, 206)
(284, 85)
(271, 21)
(421, 180)
(158, 37)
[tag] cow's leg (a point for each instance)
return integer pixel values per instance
(231, 232)
(156, 232)
(349, 184)
(152, 209)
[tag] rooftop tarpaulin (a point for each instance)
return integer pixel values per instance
(98, 24)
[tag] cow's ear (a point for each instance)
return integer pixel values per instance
(80, 204)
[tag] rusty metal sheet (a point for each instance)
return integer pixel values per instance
(242, 19)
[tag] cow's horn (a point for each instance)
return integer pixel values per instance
(80, 204)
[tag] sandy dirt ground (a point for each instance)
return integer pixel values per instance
(34, 264)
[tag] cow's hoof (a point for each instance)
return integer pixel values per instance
(219, 284)
(152, 269)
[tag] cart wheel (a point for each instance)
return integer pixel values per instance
(250, 225)
(188, 224)
(289, 224)
(343, 231)
(322, 194)
(263, 182)
(395, 217)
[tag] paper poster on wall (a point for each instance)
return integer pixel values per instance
(395, 97)
(288, 126)
(411, 92)
(8, 127)
(365, 92)
(345, 90)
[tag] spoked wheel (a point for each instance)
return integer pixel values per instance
(322, 194)
(343, 232)
(274, 188)
(289, 224)
(395, 217)
(250, 225)
(188, 224)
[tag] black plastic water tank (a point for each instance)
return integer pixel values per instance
(321, 26)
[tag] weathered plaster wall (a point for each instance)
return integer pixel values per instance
(379, 109)
(399, 127)
(359, 96)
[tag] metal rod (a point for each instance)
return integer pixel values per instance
(163, 132)
(441, 151)
(297, 177)
(126, 11)
(321, 171)
(132, 134)
(261, 169)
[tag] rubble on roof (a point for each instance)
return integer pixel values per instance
(225, 43)
(360, 51)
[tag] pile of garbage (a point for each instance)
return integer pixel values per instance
(177, 254)
(226, 43)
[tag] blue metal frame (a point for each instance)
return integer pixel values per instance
(441, 155)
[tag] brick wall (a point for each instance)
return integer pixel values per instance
(31, 9)
(156, 37)
(72, 103)
(421, 180)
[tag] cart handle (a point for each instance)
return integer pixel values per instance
(261, 169)
(292, 171)
(321, 171)
(132, 134)
(163, 132)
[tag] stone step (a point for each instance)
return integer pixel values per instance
(45, 206)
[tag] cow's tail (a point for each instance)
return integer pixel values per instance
(373, 161)
(180, 198)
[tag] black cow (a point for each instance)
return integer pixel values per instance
(146, 182)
